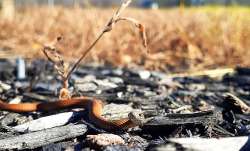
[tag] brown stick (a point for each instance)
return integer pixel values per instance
(109, 26)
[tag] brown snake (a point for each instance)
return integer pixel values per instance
(94, 107)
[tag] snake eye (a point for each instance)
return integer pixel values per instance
(141, 114)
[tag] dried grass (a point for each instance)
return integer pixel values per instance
(188, 39)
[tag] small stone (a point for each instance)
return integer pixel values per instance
(197, 87)
(117, 71)
(116, 80)
(88, 78)
(105, 139)
(98, 91)
(105, 84)
(106, 72)
(144, 74)
(84, 87)
(119, 94)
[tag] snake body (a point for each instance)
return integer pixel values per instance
(94, 107)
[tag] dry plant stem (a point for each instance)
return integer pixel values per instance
(83, 55)
(139, 26)
(54, 56)
(114, 19)
(107, 28)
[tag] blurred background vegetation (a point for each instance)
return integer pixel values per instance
(182, 34)
(140, 3)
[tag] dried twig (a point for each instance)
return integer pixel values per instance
(109, 26)
(139, 26)
(54, 56)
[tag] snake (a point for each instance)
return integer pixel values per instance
(94, 107)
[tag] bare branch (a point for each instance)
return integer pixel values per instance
(116, 16)
(109, 26)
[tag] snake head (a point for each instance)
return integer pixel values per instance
(137, 117)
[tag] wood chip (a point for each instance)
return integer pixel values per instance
(236, 104)
(105, 139)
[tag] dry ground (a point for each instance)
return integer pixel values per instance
(179, 39)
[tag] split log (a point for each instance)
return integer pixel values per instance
(41, 138)
(180, 119)
(171, 122)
